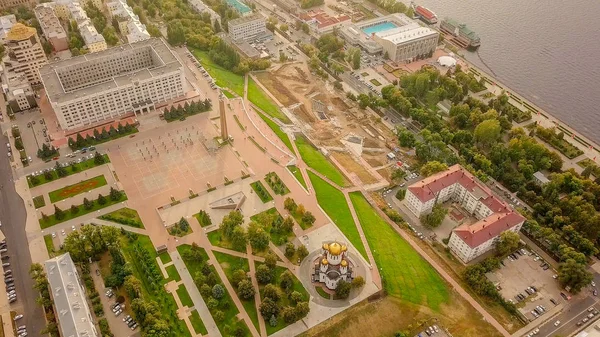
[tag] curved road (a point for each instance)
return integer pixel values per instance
(13, 216)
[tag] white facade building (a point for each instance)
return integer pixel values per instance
(6, 23)
(129, 22)
(247, 28)
(72, 311)
(332, 265)
(68, 10)
(24, 52)
(124, 80)
(494, 216)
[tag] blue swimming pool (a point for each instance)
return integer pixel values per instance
(380, 27)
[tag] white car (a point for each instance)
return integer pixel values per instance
(593, 284)
(53, 234)
(18, 317)
(63, 232)
(557, 323)
(73, 227)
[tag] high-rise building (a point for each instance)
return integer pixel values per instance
(51, 27)
(92, 89)
(24, 53)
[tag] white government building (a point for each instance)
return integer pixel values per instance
(401, 37)
(468, 241)
(70, 300)
(129, 79)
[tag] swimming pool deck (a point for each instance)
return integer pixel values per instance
(380, 27)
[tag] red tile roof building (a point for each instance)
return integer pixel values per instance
(494, 216)
(321, 22)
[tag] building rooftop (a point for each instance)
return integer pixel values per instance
(541, 177)
(20, 32)
(490, 227)
(239, 6)
(323, 19)
(165, 62)
(245, 19)
(72, 310)
(49, 21)
(6, 23)
(405, 33)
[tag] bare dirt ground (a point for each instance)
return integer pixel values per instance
(293, 83)
(353, 166)
(389, 315)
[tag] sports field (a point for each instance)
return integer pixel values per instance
(333, 202)
(405, 274)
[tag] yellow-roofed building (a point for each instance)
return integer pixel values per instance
(332, 265)
(25, 54)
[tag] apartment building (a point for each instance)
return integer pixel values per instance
(493, 215)
(73, 313)
(130, 79)
(17, 90)
(51, 27)
(6, 23)
(129, 22)
(248, 28)
(322, 23)
(68, 10)
(24, 52)
(6, 4)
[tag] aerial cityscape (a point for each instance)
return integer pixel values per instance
(256, 168)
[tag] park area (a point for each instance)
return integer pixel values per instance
(78, 188)
(52, 175)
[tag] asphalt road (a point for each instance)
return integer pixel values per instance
(13, 216)
(568, 318)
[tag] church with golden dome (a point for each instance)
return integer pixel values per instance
(332, 265)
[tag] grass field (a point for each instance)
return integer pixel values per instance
(375, 82)
(262, 193)
(68, 215)
(333, 202)
(173, 273)
(184, 296)
(78, 188)
(84, 165)
(313, 158)
(277, 130)
(230, 264)
(124, 216)
(296, 172)
(405, 274)
(259, 98)
(49, 244)
(222, 76)
(204, 222)
(323, 293)
(227, 94)
(165, 257)
(216, 239)
(277, 238)
(39, 201)
(197, 323)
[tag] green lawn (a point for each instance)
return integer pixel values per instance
(173, 273)
(333, 202)
(313, 158)
(68, 215)
(277, 130)
(124, 216)
(230, 264)
(405, 273)
(277, 238)
(223, 77)
(259, 98)
(84, 165)
(197, 323)
(39, 201)
(261, 191)
(216, 239)
(296, 172)
(165, 257)
(323, 293)
(227, 94)
(168, 306)
(277, 185)
(226, 303)
(184, 296)
(49, 244)
(78, 188)
(204, 222)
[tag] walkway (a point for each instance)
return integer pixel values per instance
(199, 303)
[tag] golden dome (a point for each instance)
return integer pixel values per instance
(344, 263)
(325, 246)
(324, 261)
(344, 248)
(335, 248)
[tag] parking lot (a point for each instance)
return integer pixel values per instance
(432, 330)
(33, 132)
(528, 282)
(370, 77)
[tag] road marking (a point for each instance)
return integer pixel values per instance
(575, 317)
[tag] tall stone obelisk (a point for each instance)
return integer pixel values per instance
(223, 118)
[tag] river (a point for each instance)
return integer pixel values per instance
(546, 50)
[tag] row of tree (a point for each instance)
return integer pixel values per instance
(188, 109)
(100, 136)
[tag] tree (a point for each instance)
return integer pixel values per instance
(398, 174)
(101, 199)
(263, 274)
(258, 237)
(238, 276)
(342, 290)
(269, 308)
(358, 282)
(302, 252)
(487, 132)
(271, 291)
(87, 204)
(289, 314)
(239, 238)
(115, 195)
(273, 321)
(301, 309)
(400, 194)
(230, 221)
(98, 158)
(74, 209)
(218, 291)
(432, 168)
(435, 218)
(219, 316)
(406, 138)
(133, 287)
(246, 290)
(290, 250)
(286, 281)
(290, 205)
(175, 33)
(217, 26)
(296, 297)
(574, 275)
(308, 218)
(59, 214)
(509, 242)
(271, 260)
